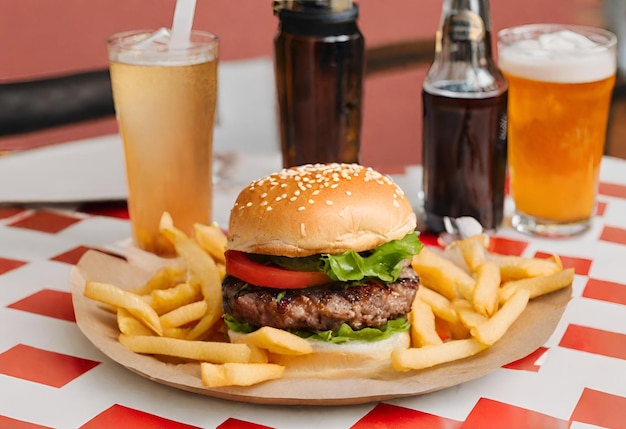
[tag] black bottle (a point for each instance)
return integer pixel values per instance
(465, 121)
(319, 65)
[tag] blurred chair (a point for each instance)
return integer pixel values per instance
(39, 104)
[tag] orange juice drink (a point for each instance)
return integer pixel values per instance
(165, 105)
(560, 85)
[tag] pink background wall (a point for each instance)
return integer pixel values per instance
(43, 38)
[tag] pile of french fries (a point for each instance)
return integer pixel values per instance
(467, 300)
(178, 313)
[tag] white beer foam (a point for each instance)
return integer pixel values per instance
(153, 49)
(563, 56)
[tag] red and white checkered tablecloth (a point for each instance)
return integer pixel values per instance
(51, 376)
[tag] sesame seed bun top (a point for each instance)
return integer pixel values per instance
(320, 208)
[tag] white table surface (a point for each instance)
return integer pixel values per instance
(578, 380)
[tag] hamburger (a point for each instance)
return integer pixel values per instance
(323, 251)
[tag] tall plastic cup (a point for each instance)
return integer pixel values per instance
(560, 86)
(165, 104)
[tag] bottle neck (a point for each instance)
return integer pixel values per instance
(465, 32)
(463, 61)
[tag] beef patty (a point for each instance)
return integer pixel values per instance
(368, 303)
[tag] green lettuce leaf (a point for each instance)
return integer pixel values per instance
(384, 262)
(344, 334)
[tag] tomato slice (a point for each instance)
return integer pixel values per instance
(239, 265)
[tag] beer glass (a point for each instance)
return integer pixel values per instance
(560, 85)
(165, 105)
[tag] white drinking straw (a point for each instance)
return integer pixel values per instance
(182, 23)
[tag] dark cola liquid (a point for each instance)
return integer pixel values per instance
(464, 159)
(319, 85)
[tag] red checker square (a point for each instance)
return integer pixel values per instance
(385, 416)
(7, 422)
(232, 423)
(493, 414)
(71, 256)
(7, 265)
(117, 209)
(600, 409)
(605, 291)
(119, 416)
(507, 246)
(612, 190)
(46, 221)
(613, 235)
(43, 366)
(580, 265)
(601, 208)
(528, 363)
(595, 341)
(47, 302)
(6, 212)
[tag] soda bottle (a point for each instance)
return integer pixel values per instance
(465, 121)
(319, 65)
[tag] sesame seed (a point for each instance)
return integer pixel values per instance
(329, 202)
(293, 198)
(311, 201)
(269, 208)
(396, 204)
(263, 203)
(348, 193)
(316, 192)
(301, 208)
(249, 204)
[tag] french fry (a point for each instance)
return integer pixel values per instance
(442, 275)
(130, 325)
(205, 351)
(276, 341)
(485, 298)
(202, 270)
(165, 300)
(538, 286)
(422, 318)
(113, 295)
(184, 314)
(469, 317)
(239, 374)
(212, 239)
(176, 332)
(441, 306)
(429, 356)
(493, 329)
(258, 355)
(517, 267)
(474, 250)
(163, 279)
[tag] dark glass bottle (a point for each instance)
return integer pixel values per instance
(319, 64)
(465, 121)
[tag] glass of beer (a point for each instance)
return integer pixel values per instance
(165, 100)
(560, 84)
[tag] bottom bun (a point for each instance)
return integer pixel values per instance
(362, 359)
